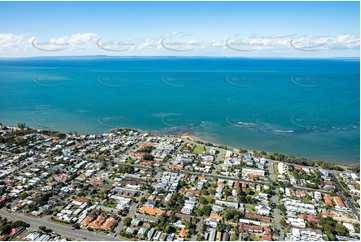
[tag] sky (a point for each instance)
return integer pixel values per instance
(244, 29)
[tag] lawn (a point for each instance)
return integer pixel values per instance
(251, 209)
(255, 238)
(198, 149)
(275, 168)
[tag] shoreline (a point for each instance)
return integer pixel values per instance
(196, 138)
(193, 137)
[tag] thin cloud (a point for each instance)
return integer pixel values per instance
(86, 44)
(11, 41)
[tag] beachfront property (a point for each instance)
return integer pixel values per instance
(250, 173)
(98, 194)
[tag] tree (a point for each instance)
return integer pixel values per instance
(204, 192)
(42, 228)
(328, 229)
(19, 223)
(282, 208)
(221, 226)
(203, 200)
(249, 191)
(169, 229)
(21, 126)
(127, 221)
(6, 229)
(230, 213)
(147, 156)
(330, 236)
(199, 212)
(283, 222)
(357, 227)
(76, 226)
(23, 195)
(209, 200)
(212, 191)
(268, 191)
(188, 224)
(341, 229)
(207, 210)
(234, 237)
(227, 192)
(146, 149)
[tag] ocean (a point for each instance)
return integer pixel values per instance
(302, 107)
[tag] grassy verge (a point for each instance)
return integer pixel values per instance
(198, 149)
(251, 209)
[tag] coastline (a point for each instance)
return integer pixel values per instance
(195, 138)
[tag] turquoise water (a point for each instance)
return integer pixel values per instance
(303, 107)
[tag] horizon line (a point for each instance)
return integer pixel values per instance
(171, 56)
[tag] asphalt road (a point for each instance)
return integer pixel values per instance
(56, 227)
(278, 218)
(277, 212)
(341, 193)
(158, 169)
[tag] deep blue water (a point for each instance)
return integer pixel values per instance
(302, 107)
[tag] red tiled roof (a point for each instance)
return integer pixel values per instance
(15, 231)
(267, 238)
(86, 221)
(216, 216)
(338, 201)
(183, 232)
(62, 178)
(189, 191)
(313, 218)
(108, 224)
(4, 238)
(82, 199)
(151, 210)
(253, 176)
(96, 223)
(328, 200)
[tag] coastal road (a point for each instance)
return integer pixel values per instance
(56, 227)
(341, 192)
